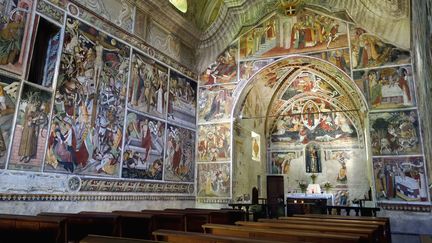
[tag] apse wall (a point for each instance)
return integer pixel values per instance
(382, 69)
(91, 114)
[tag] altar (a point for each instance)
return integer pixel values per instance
(305, 203)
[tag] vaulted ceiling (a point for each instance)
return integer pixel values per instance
(209, 26)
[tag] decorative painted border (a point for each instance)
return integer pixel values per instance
(116, 186)
(405, 207)
(53, 197)
(50, 11)
(213, 200)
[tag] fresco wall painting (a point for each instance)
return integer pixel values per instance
(15, 29)
(180, 154)
(215, 103)
(144, 147)
(224, 69)
(90, 102)
(214, 142)
(182, 100)
(148, 86)
(8, 97)
(390, 87)
(304, 32)
(31, 129)
(400, 179)
(214, 180)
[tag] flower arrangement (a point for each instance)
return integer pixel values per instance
(302, 184)
(327, 186)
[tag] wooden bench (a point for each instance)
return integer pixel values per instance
(277, 235)
(366, 235)
(111, 239)
(80, 225)
(382, 221)
(194, 219)
(130, 225)
(193, 237)
(21, 228)
(221, 216)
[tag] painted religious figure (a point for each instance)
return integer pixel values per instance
(214, 142)
(313, 158)
(390, 87)
(256, 146)
(224, 70)
(182, 100)
(282, 161)
(214, 180)
(89, 103)
(400, 179)
(31, 129)
(395, 133)
(215, 103)
(340, 58)
(8, 95)
(307, 31)
(368, 50)
(14, 33)
(148, 86)
(143, 148)
(249, 68)
(180, 154)
(342, 157)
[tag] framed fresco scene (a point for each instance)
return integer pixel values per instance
(89, 102)
(148, 86)
(143, 150)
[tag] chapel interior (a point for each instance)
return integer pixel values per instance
(215, 120)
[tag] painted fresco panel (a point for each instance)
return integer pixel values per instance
(391, 87)
(144, 147)
(400, 179)
(368, 50)
(180, 154)
(340, 58)
(395, 133)
(215, 103)
(305, 32)
(281, 162)
(31, 129)
(214, 142)
(148, 86)
(118, 12)
(315, 121)
(224, 69)
(249, 68)
(182, 100)
(214, 180)
(14, 33)
(50, 11)
(89, 102)
(8, 97)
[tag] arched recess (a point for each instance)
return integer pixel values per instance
(293, 104)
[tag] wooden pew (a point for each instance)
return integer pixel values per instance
(363, 218)
(130, 225)
(111, 239)
(366, 235)
(80, 225)
(221, 216)
(21, 228)
(194, 219)
(277, 235)
(193, 237)
(381, 221)
(160, 219)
